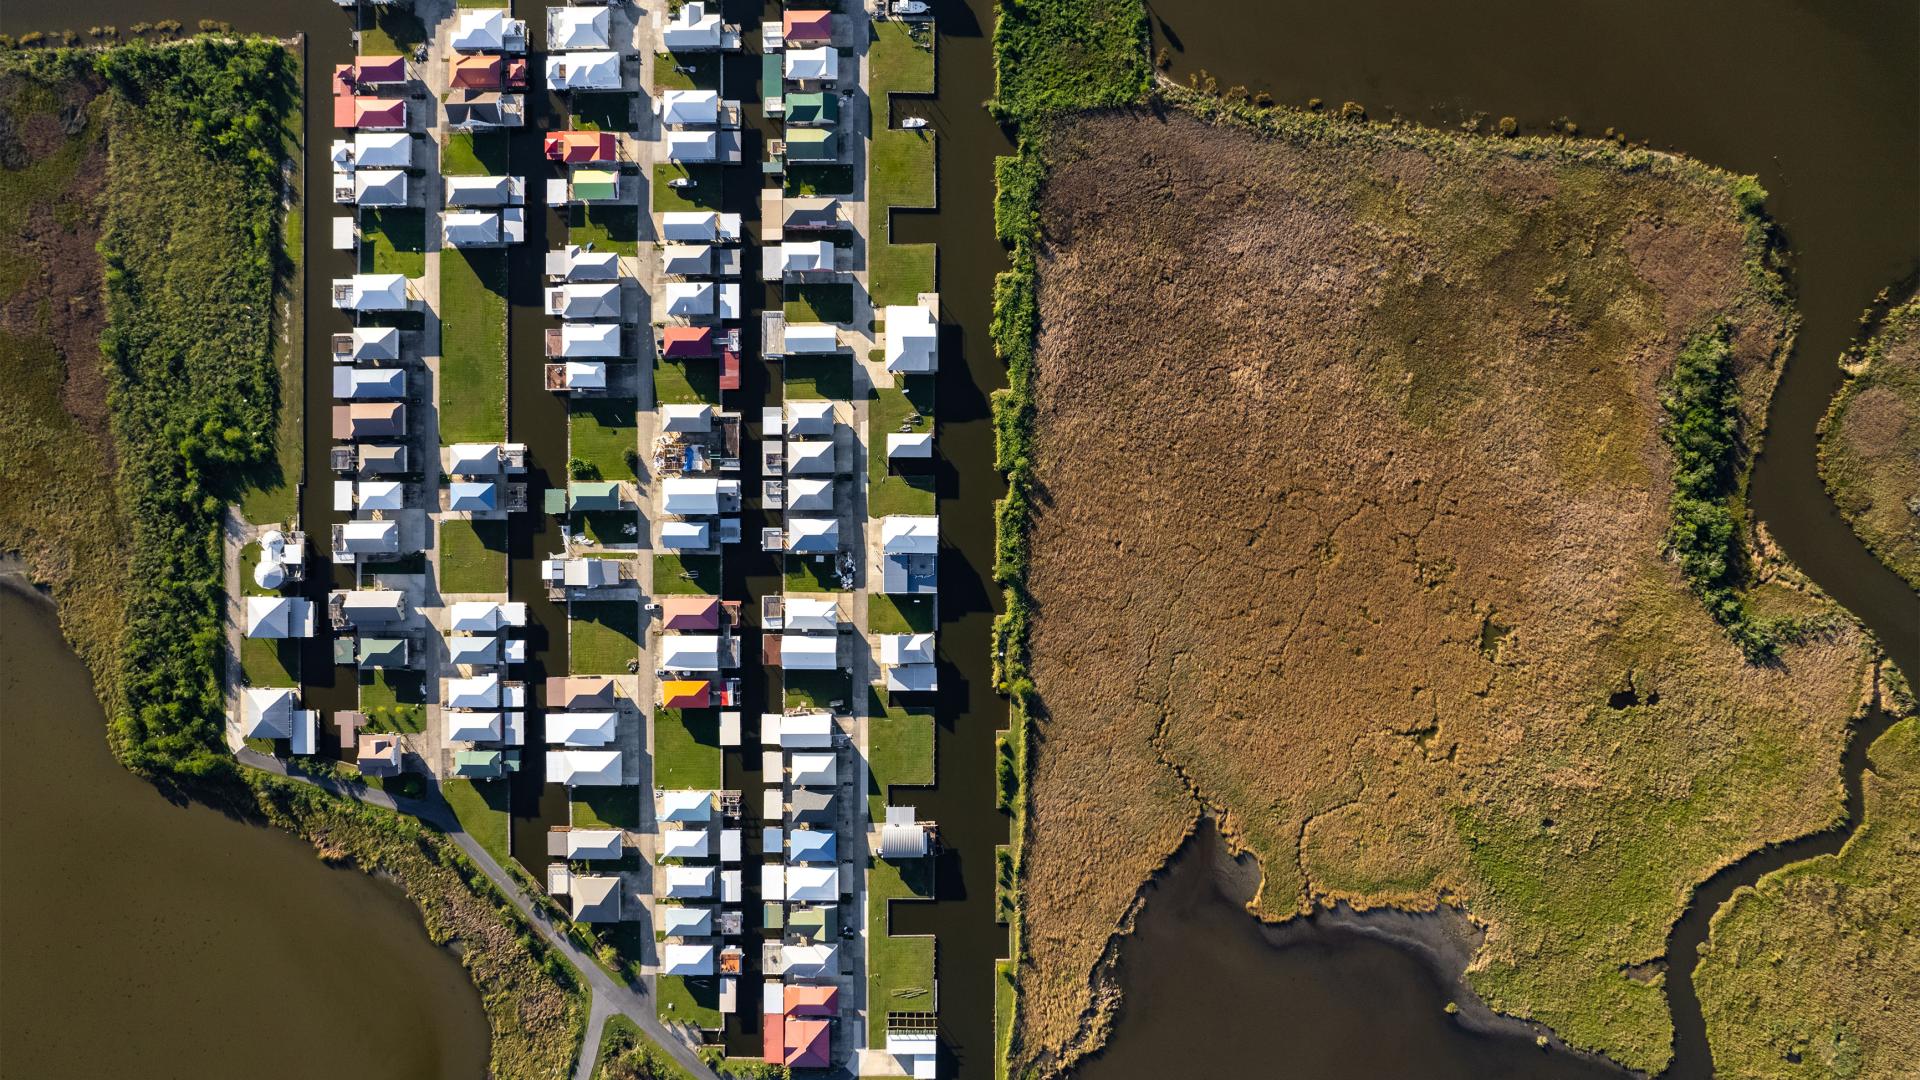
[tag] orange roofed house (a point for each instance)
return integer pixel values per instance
(580, 147)
(685, 694)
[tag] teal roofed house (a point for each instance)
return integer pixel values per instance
(478, 764)
(811, 144)
(379, 652)
(593, 495)
(813, 110)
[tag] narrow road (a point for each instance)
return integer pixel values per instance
(606, 996)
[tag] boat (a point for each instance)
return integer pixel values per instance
(680, 182)
(914, 122)
(909, 7)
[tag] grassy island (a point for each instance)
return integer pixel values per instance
(1870, 442)
(1430, 573)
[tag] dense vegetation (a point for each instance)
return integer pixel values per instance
(190, 250)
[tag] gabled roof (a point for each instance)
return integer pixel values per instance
(909, 444)
(690, 496)
(690, 107)
(693, 27)
(811, 338)
(686, 960)
(910, 534)
(684, 693)
(577, 28)
(806, 26)
(580, 147)
(684, 535)
(599, 70)
(809, 652)
(906, 648)
(689, 652)
(690, 612)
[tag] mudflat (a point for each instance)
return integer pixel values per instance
(1351, 507)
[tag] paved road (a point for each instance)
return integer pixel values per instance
(606, 995)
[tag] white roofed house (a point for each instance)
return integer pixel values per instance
(369, 383)
(909, 663)
(471, 726)
(802, 257)
(686, 260)
(585, 341)
(685, 843)
(584, 768)
(274, 712)
(473, 459)
(382, 150)
(371, 292)
(691, 496)
(810, 418)
(577, 28)
(909, 550)
(699, 227)
(471, 228)
(367, 343)
(576, 376)
(810, 457)
(684, 806)
(689, 652)
(689, 418)
(696, 27)
(809, 652)
(484, 616)
(575, 263)
(584, 300)
(809, 493)
(693, 147)
(380, 495)
(594, 70)
(690, 299)
(466, 650)
(356, 540)
(812, 884)
(811, 338)
(685, 535)
(379, 187)
(912, 339)
(582, 729)
(689, 882)
(689, 108)
(485, 191)
(586, 845)
(818, 769)
(804, 66)
(473, 692)
(686, 960)
(279, 617)
(487, 30)
(808, 613)
(683, 921)
(909, 445)
(812, 536)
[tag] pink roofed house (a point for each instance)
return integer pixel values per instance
(380, 114)
(807, 27)
(580, 147)
(807, 1044)
(676, 341)
(380, 70)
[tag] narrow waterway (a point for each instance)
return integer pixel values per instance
(142, 937)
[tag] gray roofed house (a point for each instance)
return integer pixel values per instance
(596, 898)
(368, 607)
(267, 712)
(483, 190)
(810, 807)
(810, 213)
(468, 109)
(585, 300)
(376, 458)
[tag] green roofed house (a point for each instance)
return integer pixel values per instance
(593, 495)
(478, 764)
(595, 185)
(812, 110)
(810, 144)
(817, 924)
(379, 652)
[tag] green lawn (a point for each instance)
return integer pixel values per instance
(900, 170)
(899, 750)
(1004, 998)
(473, 556)
(809, 377)
(602, 637)
(607, 226)
(395, 31)
(269, 662)
(704, 76)
(705, 194)
(602, 432)
(607, 527)
(603, 112)
(819, 302)
(817, 689)
(686, 382)
(809, 180)
(686, 748)
(899, 969)
(473, 346)
(249, 559)
(605, 808)
(394, 699)
(908, 491)
(627, 1054)
(475, 153)
(807, 574)
(689, 1000)
(671, 575)
(900, 614)
(482, 808)
(395, 242)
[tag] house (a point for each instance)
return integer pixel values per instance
(581, 729)
(369, 420)
(689, 652)
(680, 921)
(473, 459)
(809, 652)
(268, 712)
(476, 71)
(382, 150)
(690, 612)
(694, 29)
(485, 191)
(586, 844)
(580, 573)
(577, 28)
(812, 144)
(377, 754)
(810, 807)
(813, 109)
(913, 678)
(916, 1051)
(685, 843)
(379, 187)
(279, 617)
(809, 493)
(585, 300)
(909, 445)
(595, 70)
(371, 292)
(803, 214)
(901, 837)
(690, 299)
(580, 147)
(805, 1043)
(586, 496)
(367, 607)
(384, 70)
(805, 28)
(473, 497)
(595, 898)
(484, 616)
(689, 882)
(689, 108)
(469, 651)
(472, 228)
(808, 613)
(812, 846)
(693, 147)
(816, 65)
(680, 342)
(367, 343)
(472, 692)
(380, 495)
(488, 30)
(584, 768)
(594, 185)
(812, 536)
(693, 419)
(473, 727)
(801, 731)
(906, 648)
(811, 339)
(355, 540)
(687, 260)
(685, 693)
(478, 764)
(813, 769)
(690, 496)
(804, 257)
(813, 458)
(699, 227)
(584, 341)
(379, 114)
(690, 961)
(477, 110)
(912, 339)
(574, 263)
(369, 384)
(809, 418)
(909, 546)
(685, 535)
(686, 807)
(580, 692)
(812, 885)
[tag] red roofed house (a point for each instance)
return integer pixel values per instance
(686, 341)
(807, 1044)
(690, 612)
(807, 27)
(812, 1000)
(580, 147)
(685, 694)
(379, 70)
(379, 114)
(474, 71)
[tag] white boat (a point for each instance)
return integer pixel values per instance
(914, 122)
(909, 7)
(680, 182)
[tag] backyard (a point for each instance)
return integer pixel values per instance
(686, 575)
(473, 556)
(901, 170)
(686, 748)
(907, 488)
(601, 433)
(393, 242)
(473, 346)
(603, 637)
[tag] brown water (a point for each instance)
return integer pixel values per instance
(143, 938)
